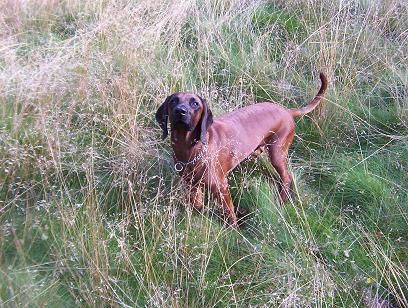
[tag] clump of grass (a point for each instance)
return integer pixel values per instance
(91, 212)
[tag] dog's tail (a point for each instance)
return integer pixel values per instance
(314, 102)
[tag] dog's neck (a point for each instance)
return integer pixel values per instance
(185, 144)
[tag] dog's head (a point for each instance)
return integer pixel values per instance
(185, 111)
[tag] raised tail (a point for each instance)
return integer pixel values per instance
(314, 102)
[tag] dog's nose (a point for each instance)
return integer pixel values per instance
(181, 110)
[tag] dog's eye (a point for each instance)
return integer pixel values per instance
(174, 101)
(194, 104)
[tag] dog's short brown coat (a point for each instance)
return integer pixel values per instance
(206, 149)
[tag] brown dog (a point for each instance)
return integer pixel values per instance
(206, 149)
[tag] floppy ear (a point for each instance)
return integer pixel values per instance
(162, 116)
(206, 120)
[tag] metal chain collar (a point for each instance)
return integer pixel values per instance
(179, 165)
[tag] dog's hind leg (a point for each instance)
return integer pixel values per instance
(278, 154)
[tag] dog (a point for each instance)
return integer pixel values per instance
(206, 148)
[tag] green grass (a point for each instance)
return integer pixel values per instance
(91, 210)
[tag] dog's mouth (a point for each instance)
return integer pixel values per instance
(182, 123)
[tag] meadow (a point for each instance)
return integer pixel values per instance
(92, 212)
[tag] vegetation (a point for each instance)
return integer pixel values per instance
(91, 210)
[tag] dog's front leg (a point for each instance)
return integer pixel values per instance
(221, 193)
(196, 196)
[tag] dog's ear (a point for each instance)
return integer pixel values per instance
(206, 120)
(162, 116)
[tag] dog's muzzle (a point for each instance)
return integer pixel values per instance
(181, 118)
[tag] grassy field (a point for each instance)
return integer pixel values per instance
(91, 210)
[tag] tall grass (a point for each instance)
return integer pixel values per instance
(91, 211)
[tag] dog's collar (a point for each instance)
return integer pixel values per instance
(180, 165)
